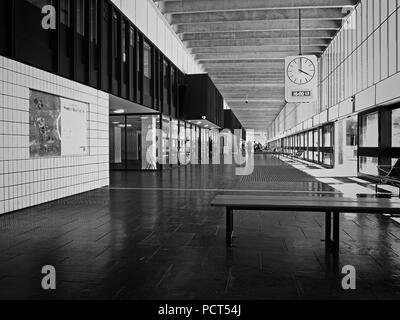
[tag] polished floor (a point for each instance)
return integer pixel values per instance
(154, 236)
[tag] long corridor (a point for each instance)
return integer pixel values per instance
(154, 235)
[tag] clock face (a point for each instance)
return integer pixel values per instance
(301, 70)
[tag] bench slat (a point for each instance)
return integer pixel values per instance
(377, 206)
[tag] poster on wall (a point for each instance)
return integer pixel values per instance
(73, 127)
(57, 126)
(44, 111)
(396, 128)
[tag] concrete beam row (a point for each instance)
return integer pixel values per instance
(255, 15)
(266, 25)
(187, 6)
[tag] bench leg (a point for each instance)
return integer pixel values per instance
(336, 231)
(332, 231)
(328, 230)
(229, 226)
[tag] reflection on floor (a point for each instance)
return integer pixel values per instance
(155, 236)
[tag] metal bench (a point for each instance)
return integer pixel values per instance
(389, 175)
(330, 206)
(296, 154)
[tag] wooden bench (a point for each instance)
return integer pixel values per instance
(330, 206)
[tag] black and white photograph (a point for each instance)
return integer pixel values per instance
(200, 159)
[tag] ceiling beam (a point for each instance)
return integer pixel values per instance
(269, 48)
(255, 15)
(324, 34)
(266, 25)
(256, 42)
(252, 55)
(187, 6)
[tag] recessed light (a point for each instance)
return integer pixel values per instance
(119, 111)
(199, 122)
(115, 122)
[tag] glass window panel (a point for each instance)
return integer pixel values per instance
(65, 12)
(146, 60)
(123, 42)
(369, 165)
(166, 140)
(132, 37)
(80, 17)
(93, 21)
(369, 130)
(396, 128)
(141, 142)
(326, 134)
(117, 136)
(174, 142)
(327, 158)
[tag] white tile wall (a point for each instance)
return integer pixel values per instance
(27, 182)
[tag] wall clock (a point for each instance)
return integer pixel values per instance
(301, 70)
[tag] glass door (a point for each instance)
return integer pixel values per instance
(134, 142)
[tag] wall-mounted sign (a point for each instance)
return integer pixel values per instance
(301, 78)
(57, 126)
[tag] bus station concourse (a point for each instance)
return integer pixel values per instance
(200, 150)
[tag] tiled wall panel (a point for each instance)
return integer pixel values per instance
(27, 182)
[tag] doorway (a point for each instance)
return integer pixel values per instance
(133, 142)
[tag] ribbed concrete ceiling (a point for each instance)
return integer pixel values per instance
(242, 45)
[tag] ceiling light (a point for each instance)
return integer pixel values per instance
(119, 111)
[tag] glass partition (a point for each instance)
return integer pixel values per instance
(369, 130)
(133, 142)
(117, 143)
(188, 143)
(310, 146)
(396, 128)
(316, 145)
(174, 142)
(182, 143)
(166, 140)
(204, 146)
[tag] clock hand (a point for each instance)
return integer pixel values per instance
(305, 72)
